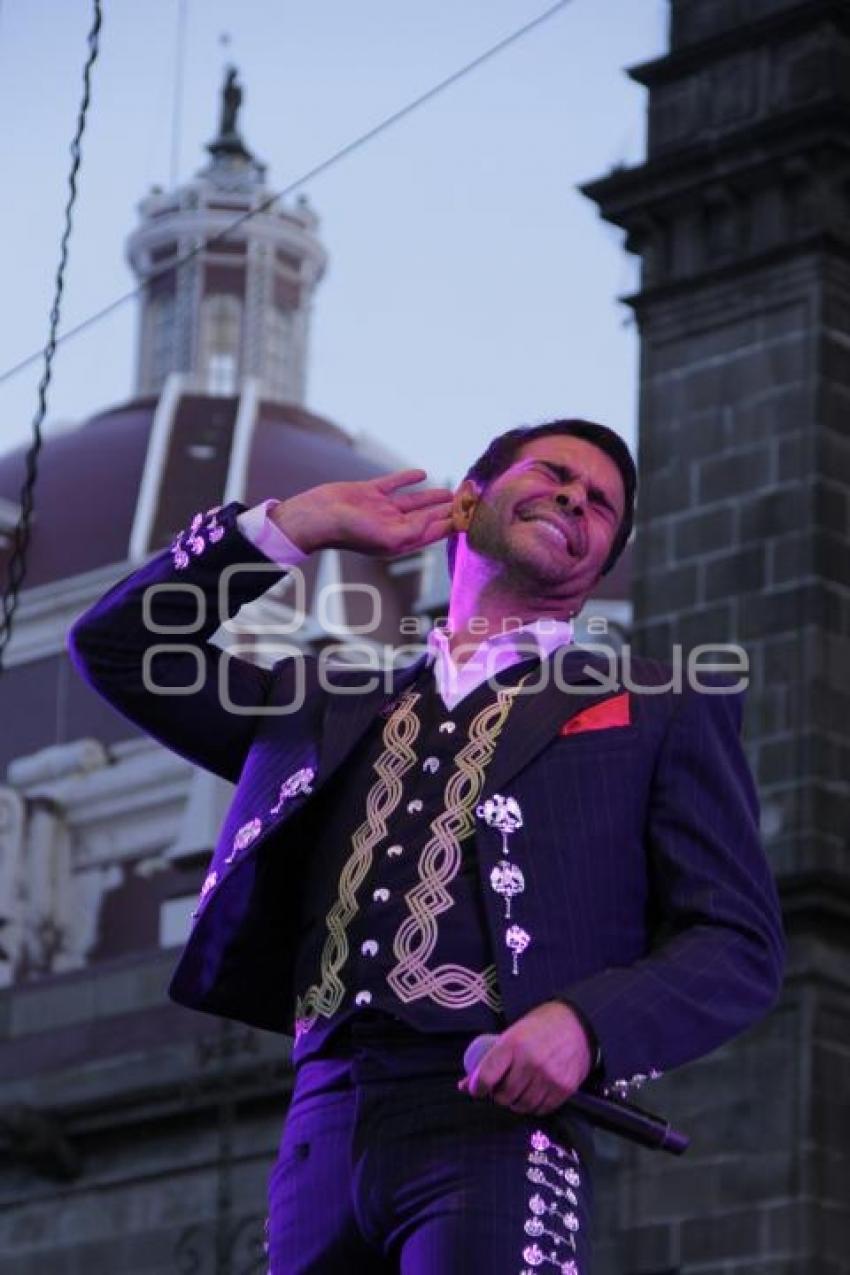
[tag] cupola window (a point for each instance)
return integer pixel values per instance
(221, 334)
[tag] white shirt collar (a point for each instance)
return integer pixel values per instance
(492, 655)
(546, 633)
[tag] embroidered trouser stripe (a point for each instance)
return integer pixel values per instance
(553, 1222)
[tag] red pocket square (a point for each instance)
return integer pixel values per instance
(611, 712)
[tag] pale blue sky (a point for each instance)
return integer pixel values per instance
(471, 287)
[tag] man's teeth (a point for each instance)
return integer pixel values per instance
(556, 531)
(551, 526)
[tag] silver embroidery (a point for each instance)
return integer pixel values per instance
(541, 1141)
(502, 813)
(244, 836)
(507, 879)
(620, 1087)
(298, 782)
(544, 1215)
(539, 1178)
(535, 1228)
(517, 940)
(534, 1255)
(210, 881)
(193, 540)
(539, 1157)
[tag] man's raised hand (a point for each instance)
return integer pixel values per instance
(374, 516)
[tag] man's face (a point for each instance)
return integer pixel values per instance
(552, 516)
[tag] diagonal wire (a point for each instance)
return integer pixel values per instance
(17, 561)
(322, 167)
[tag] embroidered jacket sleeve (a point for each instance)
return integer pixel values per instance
(183, 694)
(717, 963)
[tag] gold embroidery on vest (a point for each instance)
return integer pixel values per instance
(397, 757)
(453, 986)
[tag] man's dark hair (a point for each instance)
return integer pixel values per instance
(502, 452)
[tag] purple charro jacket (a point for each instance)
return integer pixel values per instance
(648, 896)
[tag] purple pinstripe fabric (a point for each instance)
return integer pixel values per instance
(385, 1169)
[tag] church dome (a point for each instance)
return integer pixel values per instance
(101, 482)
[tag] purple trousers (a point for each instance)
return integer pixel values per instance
(384, 1168)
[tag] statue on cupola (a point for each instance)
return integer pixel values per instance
(229, 273)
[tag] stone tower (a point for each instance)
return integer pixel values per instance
(240, 306)
(740, 216)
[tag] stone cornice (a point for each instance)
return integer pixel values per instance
(734, 272)
(686, 58)
(193, 225)
(750, 156)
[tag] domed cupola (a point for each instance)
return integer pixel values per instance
(240, 307)
(219, 411)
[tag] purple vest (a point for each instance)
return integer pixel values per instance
(393, 917)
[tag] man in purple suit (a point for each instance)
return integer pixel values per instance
(499, 841)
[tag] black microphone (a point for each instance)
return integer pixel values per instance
(623, 1118)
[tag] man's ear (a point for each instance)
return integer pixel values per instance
(463, 504)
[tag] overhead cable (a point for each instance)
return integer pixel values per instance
(21, 534)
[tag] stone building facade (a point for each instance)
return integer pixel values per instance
(740, 217)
